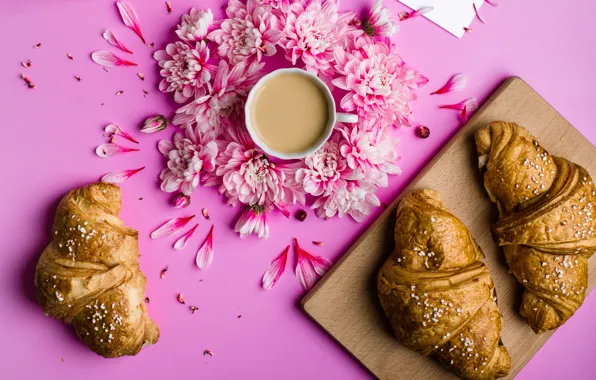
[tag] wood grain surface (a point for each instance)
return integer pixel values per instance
(345, 302)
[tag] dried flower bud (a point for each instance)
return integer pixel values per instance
(155, 124)
(422, 132)
(301, 215)
(181, 201)
(147, 300)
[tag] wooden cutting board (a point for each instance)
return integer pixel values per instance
(345, 301)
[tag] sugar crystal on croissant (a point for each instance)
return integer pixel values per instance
(89, 275)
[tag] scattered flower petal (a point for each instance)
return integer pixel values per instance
(141, 76)
(37, 46)
(163, 273)
(467, 30)
(78, 78)
(151, 45)
(319, 243)
(114, 41)
(455, 83)
(27, 63)
(108, 150)
(27, 81)
(147, 300)
(121, 176)
(206, 214)
(107, 59)
(478, 14)
(155, 124)
(130, 18)
(112, 130)
(422, 132)
(181, 243)
(69, 56)
(301, 215)
(171, 226)
(471, 104)
(180, 298)
(283, 209)
(309, 266)
(168, 7)
(407, 15)
(120, 92)
(207, 352)
(193, 308)
(181, 201)
(464, 116)
(275, 270)
(205, 253)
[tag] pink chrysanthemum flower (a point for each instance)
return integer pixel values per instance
(189, 155)
(326, 170)
(357, 199)
(253, 221)
(196, 25)
(379, 21)
(245, 174)
(312, 30)
(250, 31)
(370, 149)
(282, 5)
(223, 103)
(378, 84)
(184, 69)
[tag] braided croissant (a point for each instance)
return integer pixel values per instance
(89, 275)
(438, 296)
(546, 227)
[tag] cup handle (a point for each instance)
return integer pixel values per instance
(346, 118)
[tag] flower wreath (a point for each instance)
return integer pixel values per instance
(213, 147)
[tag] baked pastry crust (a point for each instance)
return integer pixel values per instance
(438, 295)
(545, 223)
(89, 275)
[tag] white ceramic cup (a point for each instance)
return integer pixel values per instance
(334, 116)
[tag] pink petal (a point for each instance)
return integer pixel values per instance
(455, 83)
(205, 253)
(309, 266)
(405, 15)
(471, 104)
(111, 38)
(165, 146)
(463, 117)
(478, 14)
(107, 59)
(181, 243)
(129, 17)
(114, 130)
(283, 209)
(275, 270)
(108, 150)
(171, 226)
(121, 176)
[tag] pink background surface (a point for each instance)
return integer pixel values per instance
(49, 135)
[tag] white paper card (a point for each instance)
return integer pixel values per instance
(451, 15)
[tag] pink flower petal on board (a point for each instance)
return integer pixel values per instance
(275, 270)
(107, 59)
(181, 243)
(112, 40)
(205, 253)
(471, 105)
(121, 176)
(130, 18)
(171, 226)
(455, 83)
(108, 150)
(283, 210)
(309, 266)
(113, 130)
(478, 14)
(406, 15)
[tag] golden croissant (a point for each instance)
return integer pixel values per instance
(545, 221)
(89, 275)
(438, 295)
